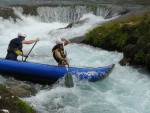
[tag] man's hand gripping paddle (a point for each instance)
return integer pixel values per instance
(68, 77)
(30, 51)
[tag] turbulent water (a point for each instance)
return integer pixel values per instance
(126, 90)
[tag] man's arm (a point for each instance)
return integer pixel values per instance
(30, 41)
(66, 41)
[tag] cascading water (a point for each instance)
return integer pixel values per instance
(126, 90)
(66, 13)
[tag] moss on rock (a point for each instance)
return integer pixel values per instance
(130, 35)
(12, 103)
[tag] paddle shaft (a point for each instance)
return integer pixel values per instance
(68, 77)
(65, 55)
(30, 51)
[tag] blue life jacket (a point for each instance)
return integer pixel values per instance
(14, 49)
(15, 45)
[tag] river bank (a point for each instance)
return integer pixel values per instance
(10, 103)
(128, 34)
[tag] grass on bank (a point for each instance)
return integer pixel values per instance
(12, 103)
(127, 30)
(116, 32)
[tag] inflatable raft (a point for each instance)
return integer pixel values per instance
(43, 73)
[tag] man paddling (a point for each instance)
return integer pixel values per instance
(16, 45)
(59, 53)
(60, 56)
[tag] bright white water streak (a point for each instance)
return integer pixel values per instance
(126, 90)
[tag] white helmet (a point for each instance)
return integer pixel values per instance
(22, 34)
(59, 41)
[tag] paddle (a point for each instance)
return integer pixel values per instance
(30, 51)
(68, 76)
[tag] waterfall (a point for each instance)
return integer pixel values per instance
(66, 13)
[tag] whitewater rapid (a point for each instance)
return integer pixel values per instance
(126, 90)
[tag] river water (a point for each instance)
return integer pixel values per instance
(126, 90)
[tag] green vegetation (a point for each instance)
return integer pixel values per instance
(130, 34)
(12, 103)
(110, 35)
(24, 105)
(3, 88)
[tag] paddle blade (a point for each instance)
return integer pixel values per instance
(68, 80)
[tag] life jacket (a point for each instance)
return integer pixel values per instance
(63, 55)
(15, 46)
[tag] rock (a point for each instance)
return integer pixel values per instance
(11, 103)
(4, 111)
(6, 13)
(79, 39)
(147, 61)
(124, 61)
(75, 23)
(21, 90)
(128, 51)
(131, 40)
